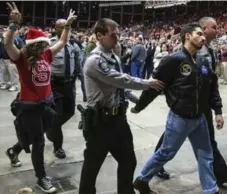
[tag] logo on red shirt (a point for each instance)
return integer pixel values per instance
(41, 73)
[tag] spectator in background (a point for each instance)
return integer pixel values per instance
(149, 65)
(138, 58)
(224, 65)
(91, 45)
(9, 72)
(163, 53)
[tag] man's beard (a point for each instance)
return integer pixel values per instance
(198, 47)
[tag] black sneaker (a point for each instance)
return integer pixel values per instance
(163, 174)
(13, 157)
(222, 184)
(45, 185)
(60, 153)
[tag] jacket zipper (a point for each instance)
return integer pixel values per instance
(197, 96)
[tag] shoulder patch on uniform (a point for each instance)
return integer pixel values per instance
(103, 65)
(185, 69)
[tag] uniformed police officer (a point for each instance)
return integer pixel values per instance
(209, 26)
(63, 85)
(111, 133)
(191, 89)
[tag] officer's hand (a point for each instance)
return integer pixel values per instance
(71, 18)
(133, 110)
(156, 84)
(220, 121)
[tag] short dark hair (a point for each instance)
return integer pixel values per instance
(102, 25)
(188, 28)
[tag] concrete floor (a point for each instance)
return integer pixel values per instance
(147, 127)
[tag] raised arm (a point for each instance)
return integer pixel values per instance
(65, 34)
(15, 17)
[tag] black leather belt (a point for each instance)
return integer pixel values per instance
(192, 116)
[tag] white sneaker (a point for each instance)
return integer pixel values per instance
(4, 87)
(13, 88)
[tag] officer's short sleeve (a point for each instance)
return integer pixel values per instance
(167, 69)
(99, 69)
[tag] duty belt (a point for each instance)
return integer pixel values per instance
(111, 111)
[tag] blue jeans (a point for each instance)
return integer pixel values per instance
(177, 130)
(136, 70)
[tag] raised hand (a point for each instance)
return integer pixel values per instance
(15, 15)
(71, 17)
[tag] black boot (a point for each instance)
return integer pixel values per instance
(163, 174)
(59, 153)
(142, 187)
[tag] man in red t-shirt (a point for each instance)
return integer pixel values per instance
(33, 64)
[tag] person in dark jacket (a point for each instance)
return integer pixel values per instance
(209, 26)
(191, 89)
(149, 65)
(138, 57)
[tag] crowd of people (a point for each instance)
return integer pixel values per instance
(161, 35)
(42, 65)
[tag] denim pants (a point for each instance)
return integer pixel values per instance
(136, 70)
(177, 130)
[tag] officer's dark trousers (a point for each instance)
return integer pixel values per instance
(31, 121)
(114, 136)
(65, 107)
(220, 168)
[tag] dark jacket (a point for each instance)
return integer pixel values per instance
(150, 57)
(139, 54)
(18, 42)
(191, 89)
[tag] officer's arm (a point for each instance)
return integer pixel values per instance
(96, 68)
(215, 101)
(165, 72)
